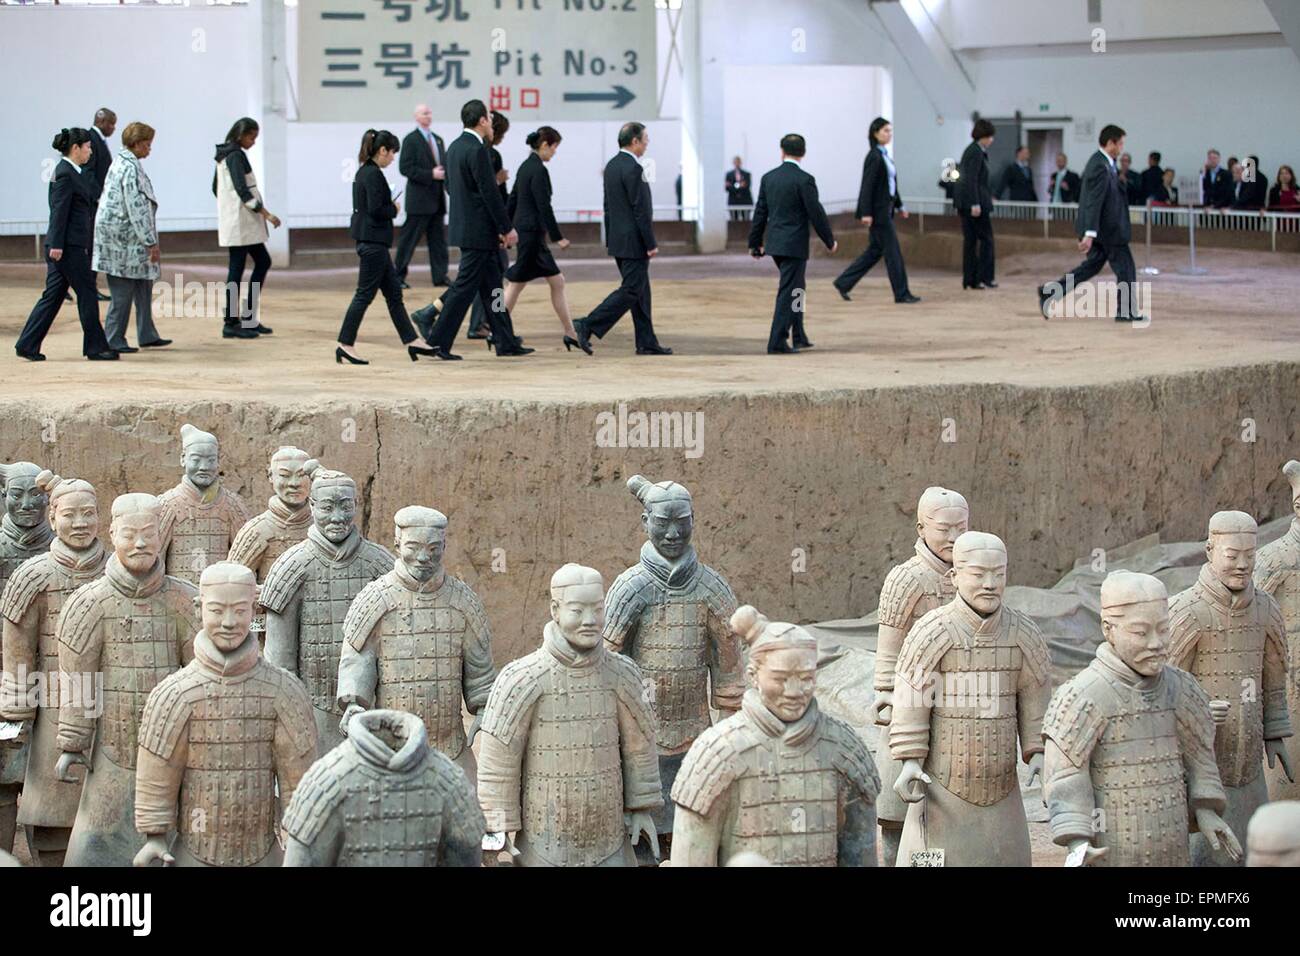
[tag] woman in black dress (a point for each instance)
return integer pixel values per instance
(373, 212)
(534, 219)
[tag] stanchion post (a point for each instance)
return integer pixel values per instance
(1192, 268)
(1148, 269)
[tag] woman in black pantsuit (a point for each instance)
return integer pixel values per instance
(534, 219)
(67, 254)
(373, 212)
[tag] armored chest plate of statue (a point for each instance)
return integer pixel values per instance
(200, 527)
(674, 627)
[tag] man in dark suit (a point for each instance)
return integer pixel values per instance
(630, 239)
(479, 225)
(1103, 228)
(1216, 182)
(101, 157)
(1064, 185)
(420, 160)
(1130, 183)
(1153, 179)
(787, 206)
(878, 199)
(974, 201)
(1018, 179)
(1249, 185)
(739, 191)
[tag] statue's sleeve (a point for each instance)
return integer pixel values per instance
(1277, 721)
(622, 612)
(725, 669)
(158, 785)
(857, 836)
(697, 837)
(909, 729)
(642, 789)
(478, 671)
(1184, 629)
(296, 740)
(499, 769)
(1033, 691)
(19, 641)
(463, 825)
(358, 675)
(321, 851)
(248, 546)
(1071, 729)
(282, 635)
(1196, 739)
(897, 601)
(81, 646)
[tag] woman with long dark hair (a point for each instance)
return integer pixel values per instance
(1284, 197)
(373, 212)
(241, 227)
(534, 219)
(67, 253)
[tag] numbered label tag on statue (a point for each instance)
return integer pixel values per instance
(932, 857)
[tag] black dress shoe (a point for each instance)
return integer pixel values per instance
(781, 349)
(843, 295)
(972, 285)
(423, 319)
(237, 332)
(655, 350)
(447, 356)
(67, 297)
(571, 343)
(341, 356)
(30, 356)
(517, 350)
(403, 283)
(583, 334)
(1126, 318)
(441, 283)
(263, 329)
(415, 351)
(109, 356)
(126, 350)
(1044, 301)
(802, 344)
(990, 285)
(155, 345)
(908, 299)
(101, 297)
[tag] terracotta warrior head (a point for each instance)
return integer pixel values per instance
(1292, 471)
(25, 503)
(136, 532)
(288, 474)
(782, 662)
(199, 456)
(1231, 548)
(333, 501)
(74, 509)
(578, 605)
(1135, 620)
(420, 538)
(979, 570)
(942, 516)
(1273, 835)
(227, 600)
(668, 518)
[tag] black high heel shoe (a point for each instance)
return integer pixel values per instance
(341, 356)
(570, 342)
(415, 351)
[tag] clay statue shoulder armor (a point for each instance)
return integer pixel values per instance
(626, 599)
(929, 639)
(903, 587)
(720, 596)
(319, 794)
(462, 597)
(1033, 646)
(629, 685)
(81, 614)
(852, 759)
(714, 762)
(285, 577)
(167, 711)
(1076, 717)
(1273, 561)
(180, 595)
(371, 603)
(452, 784)
(517, 688)
(28, 580)
(1191, 706)
(1188, 616)
(250, 541)
(292, 705)
(375, 559)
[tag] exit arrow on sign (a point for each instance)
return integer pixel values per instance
(618, 98)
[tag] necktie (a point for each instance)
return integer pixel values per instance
(433, 147)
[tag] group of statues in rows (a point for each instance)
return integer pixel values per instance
(221, 690)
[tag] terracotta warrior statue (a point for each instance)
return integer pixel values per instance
(30, 687)
(384, 797)
(972, 675)
(24, 533)
(417, 639)
(669, 613)
(779, 779)
(1232, 639)
(219, 739)
(1129, 763)
(1273, 835)
(912, 589)
(134, 626)
(309, 589)
(1277, 572)
(568, 761)
(200, 517)
(286, 519)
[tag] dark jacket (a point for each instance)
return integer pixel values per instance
(1102, 206)
(530, 199)
(237, 163)
(629, 233)
(425, 196)
(478, 214)
(1020, 183)
(972, 186)
(373, 209)
(1252, 195)
(738, 195)
(1069, 188)
(497, 165)
(101, 157)
(1216, 188)
(1153, 181)
(1131, 187)
(873, 196)
(72, 207)
(787, 205)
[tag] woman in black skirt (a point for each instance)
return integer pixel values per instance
(534, 219)
(373, 212)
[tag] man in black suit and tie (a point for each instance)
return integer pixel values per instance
(1153, 178)
(877, 200)
(421, 162)
(1216, 182)
(101, 157)
(1018, 179)
(630, 239)
(974, 201)
(1103, 228)
(787, 206)
(1064, 184)
(739, 191)
(479, 225)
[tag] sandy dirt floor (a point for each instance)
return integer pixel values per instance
(714, 311)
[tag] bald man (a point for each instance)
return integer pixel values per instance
(420, 160)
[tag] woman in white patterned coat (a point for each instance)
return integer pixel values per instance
(126, 242)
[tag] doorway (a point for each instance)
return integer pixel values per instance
(1043, 145)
